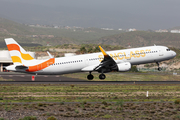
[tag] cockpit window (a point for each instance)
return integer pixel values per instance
(168, 49)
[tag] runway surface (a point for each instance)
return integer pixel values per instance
(40, 78)
(89, 82)
(58, 79)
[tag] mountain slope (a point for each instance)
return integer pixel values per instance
(142, 38)
(26, 34)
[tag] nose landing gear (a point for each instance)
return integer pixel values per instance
(159, 68)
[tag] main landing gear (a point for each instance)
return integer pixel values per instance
(159, 68)
(91, 77)
(102, 76)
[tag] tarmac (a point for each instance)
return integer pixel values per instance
(14, 78)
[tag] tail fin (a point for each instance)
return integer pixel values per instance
(17, 53)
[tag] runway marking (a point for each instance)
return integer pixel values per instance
(45, 76)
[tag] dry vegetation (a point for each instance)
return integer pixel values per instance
(89, 101)
(118, 110)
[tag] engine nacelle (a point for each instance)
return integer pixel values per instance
(125, 66)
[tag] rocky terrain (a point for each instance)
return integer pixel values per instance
(96, 111)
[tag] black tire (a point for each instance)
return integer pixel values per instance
(102, 76)
(159, 68)
(90, 77)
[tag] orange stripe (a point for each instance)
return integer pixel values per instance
(16, 47)
(13, 47)
(41, 66)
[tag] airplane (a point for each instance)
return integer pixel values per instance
(101, 62)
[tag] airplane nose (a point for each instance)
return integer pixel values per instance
(173, 53)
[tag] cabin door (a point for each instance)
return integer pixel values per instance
(161, 52)
(86, 61)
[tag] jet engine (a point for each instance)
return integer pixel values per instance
(125, 66)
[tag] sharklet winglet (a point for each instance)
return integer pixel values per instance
(103, 51)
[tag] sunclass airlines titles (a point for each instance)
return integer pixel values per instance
(122, 55)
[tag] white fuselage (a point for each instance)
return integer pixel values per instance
(135, 56)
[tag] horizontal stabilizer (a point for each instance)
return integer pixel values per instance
(21, 67)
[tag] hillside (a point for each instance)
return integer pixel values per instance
(53, 36)
(142, 38)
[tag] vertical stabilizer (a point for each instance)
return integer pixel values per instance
(17, 53)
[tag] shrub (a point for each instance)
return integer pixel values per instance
(177, 116)
(72, 86)
(134, 69)
(107, 116)
(2, 119)
(76, 111)
(40, 104)
(177, 101)
(84, 102)
(120, 103)
(115, 97)
(29, 118)
(1, 98)
(48, 114)
(104, 102)
(51, 118)
(61, 103)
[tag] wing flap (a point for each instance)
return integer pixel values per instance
(89, 68)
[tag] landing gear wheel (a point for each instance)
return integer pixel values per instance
(159, 68)
(90, 77)
(102, 76)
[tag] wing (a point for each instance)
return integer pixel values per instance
(107, 64)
